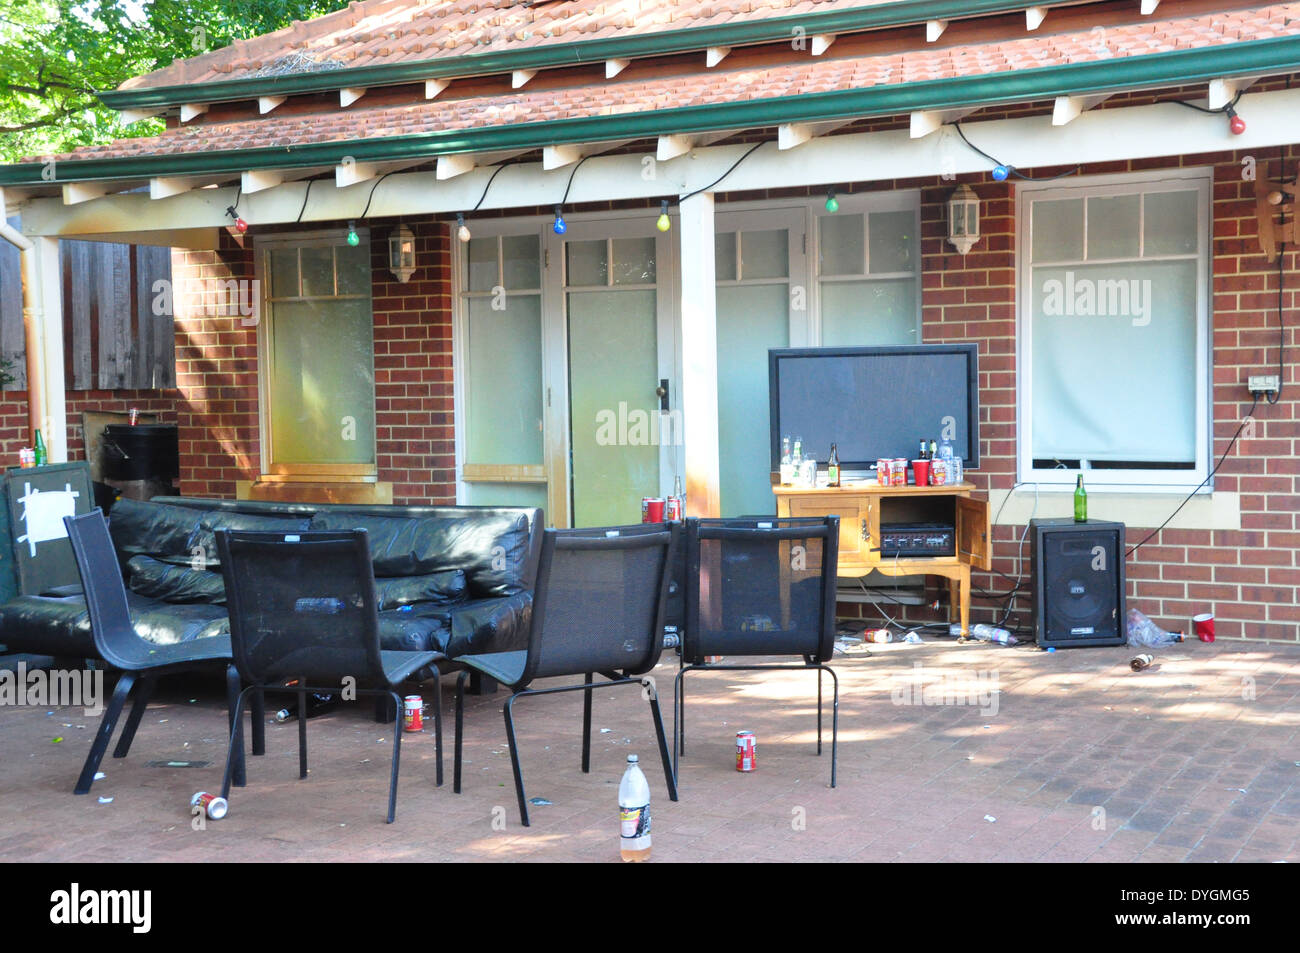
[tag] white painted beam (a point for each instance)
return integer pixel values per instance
(259, 180)
(698, 303)
(193, 111)
(267, 103)
(54, 408)
(557, 157)
(1034, 17)
(1068, 108)
(934, 29)
(451, 166)
(350, 173)
(164, 187)
(821, 42)
(670, 147)
(1224, 91)
(614, 67)
(433, 87)
(350, 94)
(135, 115)
(1156, 130)
(1149, 7)
(520, 77)
(924, 122)
(74, 193)
(715, 55)
(792, 134)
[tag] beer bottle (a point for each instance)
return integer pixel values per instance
(38, 446)
(921, 453)
(934, 451)
(833, 467)
(1080, 502)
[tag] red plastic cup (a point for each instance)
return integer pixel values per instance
(654, 510)
(1204, 626)
(922, 470)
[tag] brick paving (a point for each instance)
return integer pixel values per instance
(1074, 758)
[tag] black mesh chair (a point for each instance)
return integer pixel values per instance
(304, 619)
(141, 662)
(598, 607)
(760, 586)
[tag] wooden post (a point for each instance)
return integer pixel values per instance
(53, 404)
(699, 356)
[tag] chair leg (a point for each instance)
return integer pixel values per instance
(143, 692)
(233, 692)
(437, 724)
(397, 755)
(460, 722)
(236, 739)
(258, 709)
(302, 734)
(679, 712)
(669, 773)
(819, 711)
(835, 721)
(514, 759)
(105, 732)
(586, 726)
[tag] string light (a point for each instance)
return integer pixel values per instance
(832, 203)
(462, 230)
(1236, 124)
(664, 223)
(1000, 173)
(241, 226)
(559, 227)
(353, 238)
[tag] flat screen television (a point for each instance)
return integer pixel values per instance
(875, 402)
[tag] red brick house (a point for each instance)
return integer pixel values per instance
(473, 370)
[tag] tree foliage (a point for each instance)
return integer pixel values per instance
(55, 54)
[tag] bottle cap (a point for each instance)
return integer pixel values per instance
(631, 759)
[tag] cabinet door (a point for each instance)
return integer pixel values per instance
(856, 548)
(973, 536)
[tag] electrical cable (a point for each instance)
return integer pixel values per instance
(371, 196)
(1012, 170)
(1231, 443)
(1281, 324)
(483, 197)
(306, 195)
(753, 149)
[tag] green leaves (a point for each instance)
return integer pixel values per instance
(54, 55)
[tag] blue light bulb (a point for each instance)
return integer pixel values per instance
(1001, 172)
(559, 227)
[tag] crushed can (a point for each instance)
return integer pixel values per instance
(1140, 662)
(879, 636)
(413, 713)
(746, 751)
(213, 805)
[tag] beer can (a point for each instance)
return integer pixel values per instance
(26, 458)
(898, 472)
(746, 748)
(879, 636)
(213, 805)
(673, 509)
(645, 508)
(938, 473)
(1141, 661)
(882, 472)
(413, 713)
(133, 416)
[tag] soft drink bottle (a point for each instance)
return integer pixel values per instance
(634, 813)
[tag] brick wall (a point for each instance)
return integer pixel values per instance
(1247, 577)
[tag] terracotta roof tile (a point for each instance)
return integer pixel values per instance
(715, 86)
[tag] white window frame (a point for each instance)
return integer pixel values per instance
(1129, 480)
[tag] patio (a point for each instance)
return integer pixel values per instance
(1181, 761)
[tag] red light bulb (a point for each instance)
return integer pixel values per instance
(1235, 122)
(241, 226)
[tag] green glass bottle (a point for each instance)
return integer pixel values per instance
(38, 447)
(1080, 502)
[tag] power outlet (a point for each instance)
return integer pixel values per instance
(1266, 384)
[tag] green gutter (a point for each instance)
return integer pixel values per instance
(899, 13)
(1278, 55)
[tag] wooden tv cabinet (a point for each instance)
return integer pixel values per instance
(859, 507)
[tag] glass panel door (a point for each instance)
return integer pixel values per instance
(618, 338)
(758, 255)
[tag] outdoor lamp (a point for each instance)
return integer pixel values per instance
(401, 253)
(963, 218)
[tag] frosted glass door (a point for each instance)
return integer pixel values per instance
(613, 372)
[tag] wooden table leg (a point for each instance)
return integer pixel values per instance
(964, 583)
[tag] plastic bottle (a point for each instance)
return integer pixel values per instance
(945, 450)
(983, 632)
(634, 813)
(787, 463)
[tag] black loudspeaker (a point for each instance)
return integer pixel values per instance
(1078, 582)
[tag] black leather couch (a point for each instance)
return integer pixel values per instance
(454, 579)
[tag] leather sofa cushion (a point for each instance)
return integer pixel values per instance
(172, 582)
(436, 588)
(152, 529)
(491, 549)
(423, 628)
(61, 626)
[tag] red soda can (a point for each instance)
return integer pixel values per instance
(133, 416)
(645, 508)
(673, 509)
(898, 472)
(746, 751)
(882, 472)
(413, 713)
(938, 473)
(213, 805)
